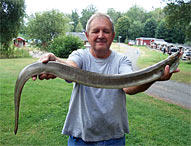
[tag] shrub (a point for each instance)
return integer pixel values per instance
(64, 45)
(14, 52)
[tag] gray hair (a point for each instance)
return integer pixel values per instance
(99, 15)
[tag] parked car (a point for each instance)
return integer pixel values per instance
(188, 55)
(184, 56)
(173, 50)
(131, 43)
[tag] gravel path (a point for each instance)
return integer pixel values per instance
(170, 91)
(36, 53)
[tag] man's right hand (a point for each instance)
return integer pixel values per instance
(44, 59)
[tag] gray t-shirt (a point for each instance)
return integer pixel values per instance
(98, 114)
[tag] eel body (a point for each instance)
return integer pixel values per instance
(92, 79)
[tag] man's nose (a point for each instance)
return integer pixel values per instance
(101, 34)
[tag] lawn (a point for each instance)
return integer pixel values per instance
(44, 105)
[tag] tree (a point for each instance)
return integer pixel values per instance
(79, 27)
(11, 16)
(122, 28)
(86, 14)
(172, 35)
(135, 30)
(158, 14)
(47, 25)
(188, 34)
(150, 28)
(178, 13)
(75, 19)
(137, 16)
(137, 13)
(114, 15)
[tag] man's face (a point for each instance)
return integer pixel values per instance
(100, 35)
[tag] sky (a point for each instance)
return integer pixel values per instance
(66, 6)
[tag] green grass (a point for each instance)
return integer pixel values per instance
(44, 105)
(154, 122)
(151, 56)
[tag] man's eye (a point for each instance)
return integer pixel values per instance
(95, 31)
(106, 31)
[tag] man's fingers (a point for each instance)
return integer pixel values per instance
(42, 76)
(46, 76)
(44, 59)
(166, 75)
(34, 78)
(50, 77)
(166, 70)
(47, 57)
(177, 70)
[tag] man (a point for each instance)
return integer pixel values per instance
(98, 116)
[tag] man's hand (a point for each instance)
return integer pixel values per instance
(44, 59)
(167, 75)
(141, 88)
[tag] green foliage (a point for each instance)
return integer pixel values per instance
(47, 25)
(162, 31)
(115, 15)
(122, 27)
(172, 35)
(178, 14)
(75, 19)
(14, 52)
(188, 33)
(63, 46)
(150, 28)
(11, 16)
(135, 30)
(158, 14)
(79, 27)
(86, 14)
(136, 13)
(138, 17)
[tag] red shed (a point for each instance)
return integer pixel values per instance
(144, 41)
(19, 42)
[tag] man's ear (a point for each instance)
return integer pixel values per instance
(113, 36)
(86, 34)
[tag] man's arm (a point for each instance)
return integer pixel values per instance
(141, 88)
(51, 57)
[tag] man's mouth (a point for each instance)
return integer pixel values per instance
(101, 41)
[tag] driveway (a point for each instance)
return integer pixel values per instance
(170, 91)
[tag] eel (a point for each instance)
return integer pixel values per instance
(91, 79)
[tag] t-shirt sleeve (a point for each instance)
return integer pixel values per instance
(125, 66)
(76, 56)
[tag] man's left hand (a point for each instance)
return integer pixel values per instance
(167, 75)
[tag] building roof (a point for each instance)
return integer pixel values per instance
(19, 38)
(144, 38)
(81, 35)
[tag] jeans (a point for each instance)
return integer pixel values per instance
(73, 141)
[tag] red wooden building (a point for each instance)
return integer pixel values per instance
(19, 42)
(144, 41)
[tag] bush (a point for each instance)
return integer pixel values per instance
(64, 45)
(13, 52)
